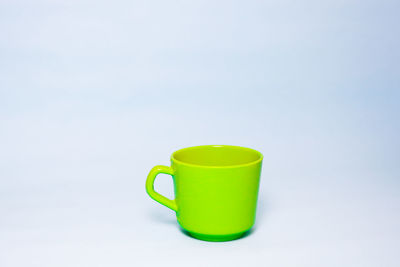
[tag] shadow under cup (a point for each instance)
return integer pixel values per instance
(216, 190)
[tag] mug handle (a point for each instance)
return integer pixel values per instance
(150, 187)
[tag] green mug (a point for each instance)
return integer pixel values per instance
(216, 190)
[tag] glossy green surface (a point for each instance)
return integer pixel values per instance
(216, 238)
(216, 189)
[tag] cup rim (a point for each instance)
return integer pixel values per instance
(260, 157)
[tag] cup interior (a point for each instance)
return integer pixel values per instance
(217, 156)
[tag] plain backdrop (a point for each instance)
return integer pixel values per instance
(93, 94)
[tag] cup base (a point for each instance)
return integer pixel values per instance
(216, 238)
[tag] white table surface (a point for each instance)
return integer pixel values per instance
(93, 94)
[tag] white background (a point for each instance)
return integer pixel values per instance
(93, 94)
